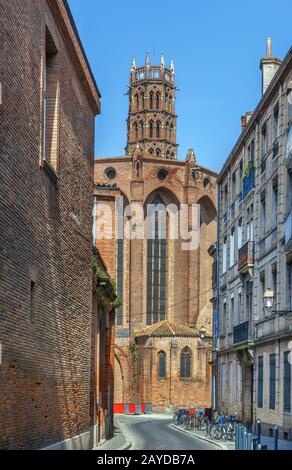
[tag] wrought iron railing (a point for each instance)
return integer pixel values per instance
(241, 332)
(246, 256)
(248, 182)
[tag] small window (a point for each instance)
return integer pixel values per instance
(51, 104)
(161, 365)
(110, 173)
(162, 175)
(185, 363)
(32, 301)
(207, 183)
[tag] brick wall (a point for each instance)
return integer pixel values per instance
(45, 237)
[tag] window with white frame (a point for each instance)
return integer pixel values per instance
(239, 234)
(231, 247)
(224, 257)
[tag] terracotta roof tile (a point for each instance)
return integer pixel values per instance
(167, 328)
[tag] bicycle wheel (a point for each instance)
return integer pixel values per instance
(214, 431)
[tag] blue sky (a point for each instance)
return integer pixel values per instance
(216, 45)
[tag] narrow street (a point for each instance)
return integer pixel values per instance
(155, 433)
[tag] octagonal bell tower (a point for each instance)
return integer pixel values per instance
(151, 123)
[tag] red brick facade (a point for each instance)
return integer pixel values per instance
(46, 315)
(188, 272)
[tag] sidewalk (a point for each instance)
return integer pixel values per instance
(269, 441)
(228, 445)
(117, 442)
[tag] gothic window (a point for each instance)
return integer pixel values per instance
(151, 151)
(157, 100)
(170, 103)
(142, 100)
(167, 154)
(158, 129)
(185, 363)
(157, 153)
(120, 268)
(141, 129)
(156, 262)
(135, 126)
(172, 155)
(161, 365)
(151, 100)
(171, 132)
(151, 129)
(166, 99)
(167, 130)
(137, 101)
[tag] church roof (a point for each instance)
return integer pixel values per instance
(168, 328)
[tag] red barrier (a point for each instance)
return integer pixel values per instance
(143, 408)
(119, 408)
(132, 408)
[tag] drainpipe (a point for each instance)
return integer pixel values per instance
(217, 299)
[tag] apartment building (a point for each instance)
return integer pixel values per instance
(253, 343)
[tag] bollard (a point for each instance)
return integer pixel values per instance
(249, 441)
(254, 444)
(236, 436)
(276, 437)
(259, 430)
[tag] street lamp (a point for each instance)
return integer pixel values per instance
(269, 300)
(202, 332)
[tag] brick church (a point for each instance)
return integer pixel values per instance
(164, 321)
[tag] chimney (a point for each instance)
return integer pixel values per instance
(244, 119)
(268, 65)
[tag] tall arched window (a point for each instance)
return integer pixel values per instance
(151, 129)
(185, 363)
(167, 154)
(158, 129)
(157, 153)
(161, 365)
(142, 96)
(170, 103)
(141, 129)
(135, 126)
(157, 100)
(137, 101)
(156, 262)
(151, 100)
(167, 130)
(171, 132)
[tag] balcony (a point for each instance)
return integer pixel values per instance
(288, 232)
(248, 181)
(272, 327)
(246, 257)
(241, 333)
(289, 149)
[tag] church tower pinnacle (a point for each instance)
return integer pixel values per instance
(152, 119)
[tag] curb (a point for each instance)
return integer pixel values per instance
(206, 439)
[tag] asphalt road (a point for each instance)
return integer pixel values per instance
(155, 433)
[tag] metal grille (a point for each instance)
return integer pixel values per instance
(260, 381)
(287, 383)
(120, 269)
(272, 399)
(162, 365)
(157, 266)
(185, 363)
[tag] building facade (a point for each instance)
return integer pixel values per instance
(254, 254)
(164, 288)
(48, 104)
